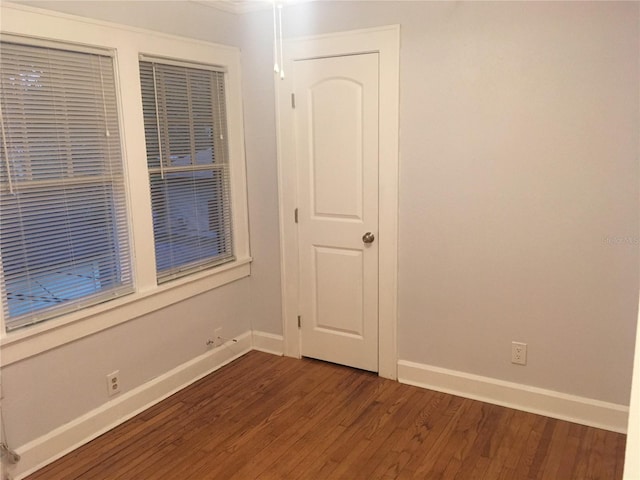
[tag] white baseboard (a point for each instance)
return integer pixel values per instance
(268, 342)
(44, 450)
(585, 411)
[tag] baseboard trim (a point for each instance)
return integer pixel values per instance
(268, 342)
(48, 448)
(585, 411)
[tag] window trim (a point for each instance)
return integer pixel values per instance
(127, 43)
(56, 44)
(144, 57)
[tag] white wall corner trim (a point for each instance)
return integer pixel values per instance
(267, 342)
(631, 458)
(572, 408)
(57, 443)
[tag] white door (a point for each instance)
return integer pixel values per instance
(336, 130)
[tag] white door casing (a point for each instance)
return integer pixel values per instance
(385, 41)
(336, 129)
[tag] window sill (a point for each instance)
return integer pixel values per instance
(30, 341)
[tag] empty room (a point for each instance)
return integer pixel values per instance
(183, 297)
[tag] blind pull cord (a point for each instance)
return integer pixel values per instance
(276, 67)
(6, 154)
(155, 93)
(104, 102)
(281, 54)
(220, 98)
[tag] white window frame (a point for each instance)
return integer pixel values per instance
(126, 287)
(219, 151)
(128, 43)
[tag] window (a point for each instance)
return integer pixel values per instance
(187, 156)
(63, 226)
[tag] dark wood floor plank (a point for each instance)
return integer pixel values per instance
(274, 418)
(479, 470)
(501, 446)
(582, 457)
(379, 440)
(290, 431)
(430, 448)
(476, 458)
(621, 445)
(553, 459)
(391, 459)
(542, 449)
(325, 432)
(570, 453)
(531, 446)
(518, 445)
(426, 427)
(453, 444)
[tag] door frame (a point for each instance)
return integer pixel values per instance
(386, 42)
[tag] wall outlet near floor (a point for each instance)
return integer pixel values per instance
(519, 353)
(113, 382)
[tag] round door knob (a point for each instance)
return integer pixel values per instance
(368, 237)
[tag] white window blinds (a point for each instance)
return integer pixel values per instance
(63, 226)
(187, 155)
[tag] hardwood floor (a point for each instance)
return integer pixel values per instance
(267, 417)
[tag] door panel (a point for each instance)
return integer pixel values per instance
(336, 172)
(338, 292)
(336, 123)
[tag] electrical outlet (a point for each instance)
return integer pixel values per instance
(519, 353)
(113, 382)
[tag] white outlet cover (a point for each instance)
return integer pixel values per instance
(519, 353)
(113, 383)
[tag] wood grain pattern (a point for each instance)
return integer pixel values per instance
(274, 418)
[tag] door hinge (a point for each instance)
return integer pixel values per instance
(293, 100)
(299, 321)
(295, 215)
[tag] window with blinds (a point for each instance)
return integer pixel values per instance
(187, 156)
(64, 239)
